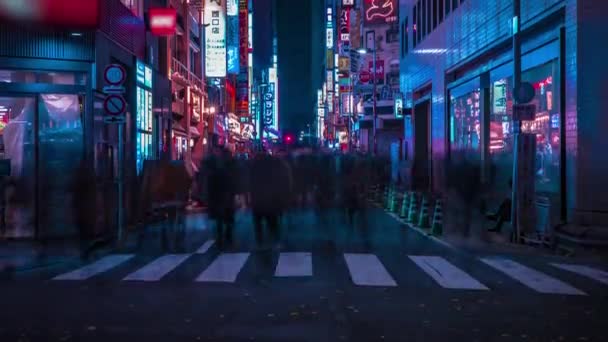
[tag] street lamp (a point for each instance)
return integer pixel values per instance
(374, 114)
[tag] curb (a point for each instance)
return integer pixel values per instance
(422, 232)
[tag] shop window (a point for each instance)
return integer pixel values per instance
(448, 6)
(440, 11)
(454, 4)
(501, 134)
(546, 126)
(465, 123)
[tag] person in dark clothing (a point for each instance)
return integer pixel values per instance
(268, 178)
(219, 169)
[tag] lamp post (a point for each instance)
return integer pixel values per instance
(374, 114)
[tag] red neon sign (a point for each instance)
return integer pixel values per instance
(64, 13)
(162, 21)
(380, 11)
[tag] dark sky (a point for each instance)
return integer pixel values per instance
(298, 74)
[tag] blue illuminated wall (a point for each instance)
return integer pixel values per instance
(481, 27)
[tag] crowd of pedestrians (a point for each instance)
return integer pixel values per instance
(273, 185)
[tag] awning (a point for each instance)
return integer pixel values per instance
(194, 132)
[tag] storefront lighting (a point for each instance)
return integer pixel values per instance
(204, 141)
(76, 34)
(212, 110)
(430, 51)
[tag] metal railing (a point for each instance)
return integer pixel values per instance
(188, 76)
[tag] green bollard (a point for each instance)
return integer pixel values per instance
(412, 216)
(405, 205)
(437, 227)
(424, 220)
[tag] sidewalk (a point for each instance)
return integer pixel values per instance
(26, 255)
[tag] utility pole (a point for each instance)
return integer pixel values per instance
(516, 123)
(374, 113)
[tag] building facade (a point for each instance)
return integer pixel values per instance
(457, 78)
(53, 117)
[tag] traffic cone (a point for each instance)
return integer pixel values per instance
(423, 220)
(437, 227)
(412, 216)
(405, 205)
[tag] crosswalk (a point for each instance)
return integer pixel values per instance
(363, 269)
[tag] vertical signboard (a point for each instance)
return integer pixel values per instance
(345, 25)
(243, 33)
(143, 115)
(215, 38)
(329, 30)
(268, 104)
(232, 37)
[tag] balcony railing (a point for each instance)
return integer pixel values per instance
(180, 73)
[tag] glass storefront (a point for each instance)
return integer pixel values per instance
(546, 126)
(41, 136)
(465, 126)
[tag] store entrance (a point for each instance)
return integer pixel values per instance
(421, 169)
(42, 141)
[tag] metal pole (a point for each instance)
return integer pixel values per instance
(120, 185)
(375, 122)
(516, 124)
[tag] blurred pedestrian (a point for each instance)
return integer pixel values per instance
(220, 171)
(266, 195)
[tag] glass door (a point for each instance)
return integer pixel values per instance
(60, 167)
(17, 158)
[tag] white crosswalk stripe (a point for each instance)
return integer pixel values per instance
(102, 265)
(225, 268)
(367, 270)
(205, 247)
(533, 279)
(158, 268)
(294, 265)
(589, 272)
(364, 269)
(446, 274)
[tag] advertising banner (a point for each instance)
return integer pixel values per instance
(268, 104)
(215, 38)
(243, 33)
(344, 25)
(377, 12)
(232, 37)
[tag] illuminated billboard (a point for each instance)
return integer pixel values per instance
(329, 31)
(232, 37)
(380, 11)
(215, 38)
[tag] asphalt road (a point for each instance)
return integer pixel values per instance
(376, 282)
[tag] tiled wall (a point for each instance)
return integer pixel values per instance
(477, 26)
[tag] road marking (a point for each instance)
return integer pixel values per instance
(225, 268)
(367, 270)
(294, 265)
(590, 272)
(533, 279)
(446, 274)
(102, 265)
(158, 268)
(205, 247)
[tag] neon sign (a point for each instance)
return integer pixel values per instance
(380, 11)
